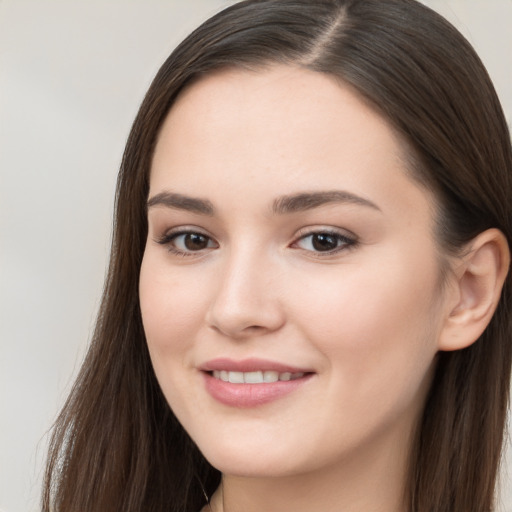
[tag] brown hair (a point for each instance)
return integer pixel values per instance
(116, 444)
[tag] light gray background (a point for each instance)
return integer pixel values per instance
(72, 75)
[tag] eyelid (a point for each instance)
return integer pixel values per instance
(351, 240)
(167, 238)
(183, 229)
(320, 228)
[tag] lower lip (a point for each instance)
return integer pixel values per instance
(250, 395)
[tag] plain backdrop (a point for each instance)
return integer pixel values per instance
(72, 74)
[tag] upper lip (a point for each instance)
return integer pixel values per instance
(249, 365)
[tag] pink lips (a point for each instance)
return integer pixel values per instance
(249, 365)
(246, 395)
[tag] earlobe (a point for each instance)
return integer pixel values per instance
(476, 292)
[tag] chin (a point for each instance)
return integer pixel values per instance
(256, 467)
(251, 457)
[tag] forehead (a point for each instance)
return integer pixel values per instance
(277, 131)
(279, 103)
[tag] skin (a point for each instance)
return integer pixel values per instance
(366, 319)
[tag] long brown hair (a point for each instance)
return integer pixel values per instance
(116, 444)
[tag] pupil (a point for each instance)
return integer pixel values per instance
(324, 242)
(195, 242)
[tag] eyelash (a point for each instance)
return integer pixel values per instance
(344, 242)
(169, 238)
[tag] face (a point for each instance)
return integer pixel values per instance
(290, 283)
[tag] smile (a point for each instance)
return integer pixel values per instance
(255, 377)
(252, 382)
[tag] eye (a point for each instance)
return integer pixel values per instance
(324, 242)
(187, 242)
(191, 242)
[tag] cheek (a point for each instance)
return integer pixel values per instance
(172, 312)
(377, 326)
(171, 306)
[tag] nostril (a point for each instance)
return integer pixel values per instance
(241, 318)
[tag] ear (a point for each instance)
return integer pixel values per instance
(475, 292)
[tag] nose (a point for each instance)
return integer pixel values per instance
(247, 301)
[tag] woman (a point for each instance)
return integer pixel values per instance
(307, 305)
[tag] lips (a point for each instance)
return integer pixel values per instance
(250, 365)
(257, 377)
(251, 382)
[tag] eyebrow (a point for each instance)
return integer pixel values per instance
(285, 204)
(309, 200)
(182, 202)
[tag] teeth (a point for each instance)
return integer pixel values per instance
(270, 376)
(236, 377)
(253, 377)
(258, 377)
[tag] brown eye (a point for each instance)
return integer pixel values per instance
(324, 242)
(186, 243)
(195, 241)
